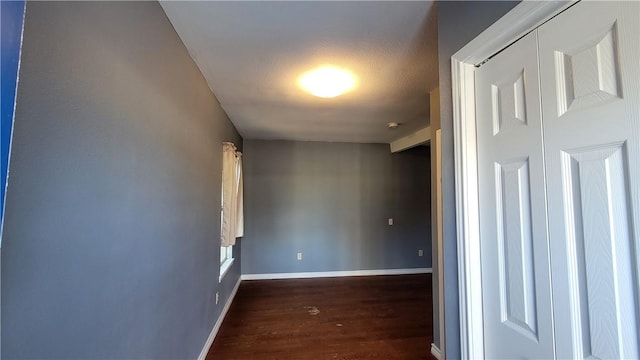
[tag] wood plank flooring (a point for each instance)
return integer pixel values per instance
(348, 318)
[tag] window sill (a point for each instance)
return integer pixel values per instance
(224, 268)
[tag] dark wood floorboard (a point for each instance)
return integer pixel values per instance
(348, 318)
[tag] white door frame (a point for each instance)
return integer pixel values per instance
(522, 19)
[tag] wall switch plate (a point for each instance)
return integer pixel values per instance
(390, 221)
(420, 253)
(299, 256)
(217, 298)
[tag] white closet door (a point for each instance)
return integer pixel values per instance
(590, 80)
(513, 231)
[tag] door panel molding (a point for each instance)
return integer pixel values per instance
(589, 75)
(515, 247)
(600, 255)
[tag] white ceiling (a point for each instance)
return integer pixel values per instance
(251, 54)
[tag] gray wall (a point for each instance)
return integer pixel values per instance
(458, 23)
(331, 201)
(111, 234)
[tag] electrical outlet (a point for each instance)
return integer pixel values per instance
(217, 298)
(299, 256)
(420, 252)
(390, 221)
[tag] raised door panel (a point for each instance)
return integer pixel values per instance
(515, 248)
(590, 81)
(515, 254)
(589, 74)
(600, 251)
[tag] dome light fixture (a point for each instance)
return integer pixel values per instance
(327, 81)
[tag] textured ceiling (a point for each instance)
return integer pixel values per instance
(251, 54)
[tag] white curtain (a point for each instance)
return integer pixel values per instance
(232, 208)
(240, 195)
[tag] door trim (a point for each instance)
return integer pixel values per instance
(440, 244)
(518, 22)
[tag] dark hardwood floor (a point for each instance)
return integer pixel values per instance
(376, 317)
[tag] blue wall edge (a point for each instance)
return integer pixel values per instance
(12, 14)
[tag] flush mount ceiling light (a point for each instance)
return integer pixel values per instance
(327, 81)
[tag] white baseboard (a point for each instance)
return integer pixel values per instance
(319, 274)
(436, 352)
(216, 327)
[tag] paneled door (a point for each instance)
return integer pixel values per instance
(517, 306)
(590, 81)
(558, 130)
